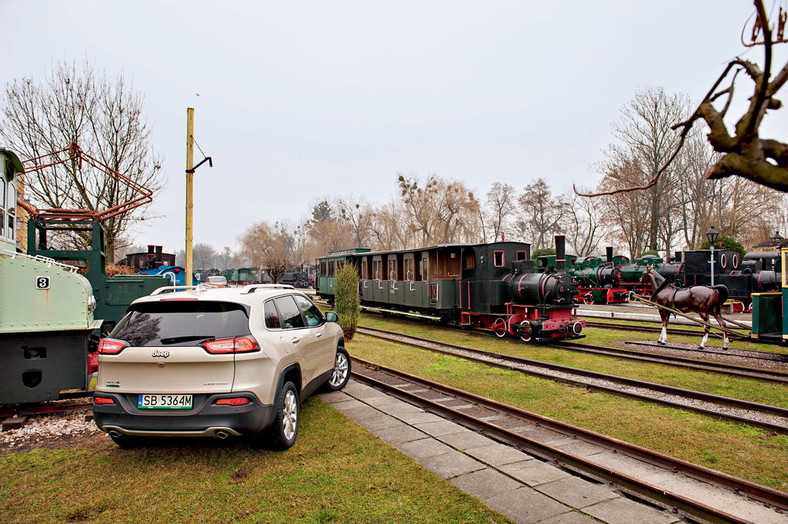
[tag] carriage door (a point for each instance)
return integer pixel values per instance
(468, 280)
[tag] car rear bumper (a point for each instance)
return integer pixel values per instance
(205, 419)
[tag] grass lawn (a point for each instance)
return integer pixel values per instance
(336, 472)
(771, 393)
(736, 449)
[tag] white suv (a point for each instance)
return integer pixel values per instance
(215, 362)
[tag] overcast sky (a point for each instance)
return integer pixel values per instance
(299, 100)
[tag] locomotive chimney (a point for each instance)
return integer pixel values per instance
(560, 252)
(609, 252)
(151, 249)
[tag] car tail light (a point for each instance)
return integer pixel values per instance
(100, 401)
(231, 345)
(239, 401)
(111, 346)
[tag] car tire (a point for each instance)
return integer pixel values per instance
(341, 372)
(284, 430)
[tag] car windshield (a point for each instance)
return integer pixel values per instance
(181, 323)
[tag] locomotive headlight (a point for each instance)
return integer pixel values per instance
(91, 303)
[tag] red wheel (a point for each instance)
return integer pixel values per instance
(588, 300)
(499, 328)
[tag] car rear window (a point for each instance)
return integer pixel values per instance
(181, 323)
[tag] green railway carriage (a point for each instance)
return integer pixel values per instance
(770, 309)
(328, 268)
(46, 312)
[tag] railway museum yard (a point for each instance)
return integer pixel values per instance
(613, 428)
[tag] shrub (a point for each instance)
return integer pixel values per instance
(725, 242)
(545, 251)
(347, 303)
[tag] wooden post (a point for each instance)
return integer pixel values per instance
(189, 193)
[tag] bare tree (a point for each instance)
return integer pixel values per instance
(358, 214)
(745, 153)
(105, 118)
(500, 207)
(542, 213)
(645, 141)
(204, 256)
(583, 224)
(268, 248)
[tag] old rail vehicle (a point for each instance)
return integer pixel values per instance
(493, 286)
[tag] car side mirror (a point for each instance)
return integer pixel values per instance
(331, 316)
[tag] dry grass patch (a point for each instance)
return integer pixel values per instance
(336, 472)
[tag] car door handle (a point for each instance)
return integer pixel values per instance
(318, 335)
(295, 340)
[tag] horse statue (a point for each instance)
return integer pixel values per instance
(703, 300)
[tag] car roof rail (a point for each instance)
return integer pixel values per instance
(254, 287)
(173, 289)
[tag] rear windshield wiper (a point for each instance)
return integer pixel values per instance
(186, 338)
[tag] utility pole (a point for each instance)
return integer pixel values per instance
(189, 193)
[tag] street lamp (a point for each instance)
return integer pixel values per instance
(711, 234)
(777, 238)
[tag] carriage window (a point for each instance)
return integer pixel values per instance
(377, 269)
(323, 269)
(364, 269)
(393, 269)
(470, 261)
(11, 211)
(521, 255)
(425, 269)
(2, 206)
(498, 259)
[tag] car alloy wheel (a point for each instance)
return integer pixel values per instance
(341, 370)
(290, 415)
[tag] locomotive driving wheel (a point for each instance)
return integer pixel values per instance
(588, 299)
(526, 331)
(499, 328)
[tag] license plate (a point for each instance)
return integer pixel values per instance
(164, 402)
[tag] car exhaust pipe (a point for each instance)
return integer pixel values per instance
(222, 434)
(114, 433)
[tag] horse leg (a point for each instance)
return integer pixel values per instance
(722, 324)
(663, 337)
(705, 318)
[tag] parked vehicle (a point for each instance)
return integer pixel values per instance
(217, 362)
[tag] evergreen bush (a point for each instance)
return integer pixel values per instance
(347, 303)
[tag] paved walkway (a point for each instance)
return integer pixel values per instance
(517, 485)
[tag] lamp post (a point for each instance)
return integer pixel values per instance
(777, 237)
(711, 234)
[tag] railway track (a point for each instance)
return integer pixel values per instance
(759, 373)
(68, 403)
(649, 329)
(695, 492)
(773, 418)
